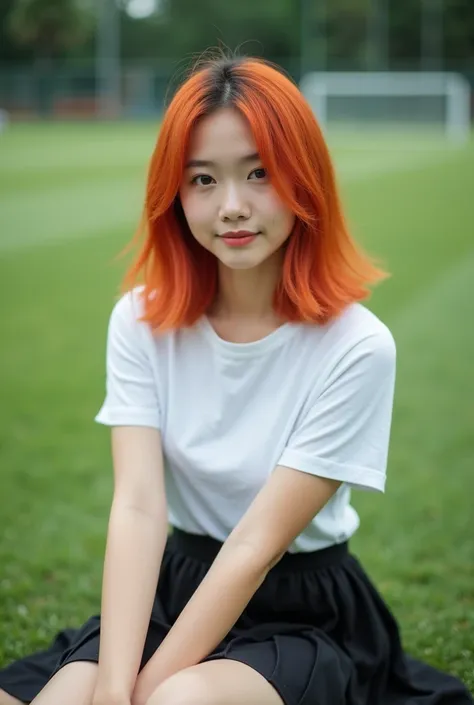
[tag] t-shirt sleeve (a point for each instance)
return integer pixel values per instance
(343, 433)
(131, 387)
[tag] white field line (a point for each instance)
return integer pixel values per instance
(86, 210)
(68, 213)
(452, 290)
(362, 165)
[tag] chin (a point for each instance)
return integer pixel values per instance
(240, 262)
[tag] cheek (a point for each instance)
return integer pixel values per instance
(280, 216)
(282, 220)
(288, 220)
(193, 212)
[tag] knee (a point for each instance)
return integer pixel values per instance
(6, 699)
(181, 689)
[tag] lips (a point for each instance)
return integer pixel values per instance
(238, 238)
(238, 234)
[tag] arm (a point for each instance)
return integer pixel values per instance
(342, 436)
(135, 543)
(282, 509)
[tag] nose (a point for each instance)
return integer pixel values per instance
(233, 206)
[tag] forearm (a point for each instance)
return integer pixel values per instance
(135, 545)
(215, 607)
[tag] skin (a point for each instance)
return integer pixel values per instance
(233, 193)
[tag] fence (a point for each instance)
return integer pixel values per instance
(68, 90)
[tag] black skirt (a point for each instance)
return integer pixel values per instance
(316, 629)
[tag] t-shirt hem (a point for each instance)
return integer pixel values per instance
(353, 475)
(118, 416)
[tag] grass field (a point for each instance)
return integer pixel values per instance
(70, 196)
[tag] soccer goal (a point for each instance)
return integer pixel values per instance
(4, 120)
(391, 101)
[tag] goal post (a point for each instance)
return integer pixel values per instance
(391, 99)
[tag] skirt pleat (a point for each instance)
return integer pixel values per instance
(316, 629)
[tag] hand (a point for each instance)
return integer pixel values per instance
(105, 697)
(110, 700)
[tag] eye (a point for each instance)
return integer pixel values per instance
(194, 180)
(260, 173)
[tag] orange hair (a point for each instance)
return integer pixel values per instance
(323, 269)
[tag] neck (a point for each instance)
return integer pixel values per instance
(247, 293)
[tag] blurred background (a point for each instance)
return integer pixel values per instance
(83, 86)
(80, 58)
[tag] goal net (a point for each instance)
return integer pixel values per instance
(437, 102)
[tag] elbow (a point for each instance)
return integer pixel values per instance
(261, 560)
(154, 510)
(276, 560)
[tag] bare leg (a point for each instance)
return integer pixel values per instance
(6, 699)
(74, 684)
(214, 683)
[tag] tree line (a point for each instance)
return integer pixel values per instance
(337, 34)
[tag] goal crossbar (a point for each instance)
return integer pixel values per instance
(318, 87)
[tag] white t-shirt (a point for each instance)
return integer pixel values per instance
(314, 398)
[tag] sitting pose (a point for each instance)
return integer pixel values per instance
(249, 392)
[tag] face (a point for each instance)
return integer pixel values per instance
(225, 189)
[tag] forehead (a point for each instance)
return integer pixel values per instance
(224, 134)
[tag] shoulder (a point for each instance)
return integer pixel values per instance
(361, 327)
(129, 308)
(128, 312)
(359, 338)
(126, 327)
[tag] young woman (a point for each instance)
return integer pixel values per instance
(249, 391)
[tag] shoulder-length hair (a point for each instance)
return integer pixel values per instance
(323, 269)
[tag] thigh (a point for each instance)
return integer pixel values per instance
(74, 684)
(25, 677)
(6, 699)
(301, 666)
(219, 682)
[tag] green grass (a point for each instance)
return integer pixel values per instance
(69, 200)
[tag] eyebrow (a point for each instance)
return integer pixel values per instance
(204, 162)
